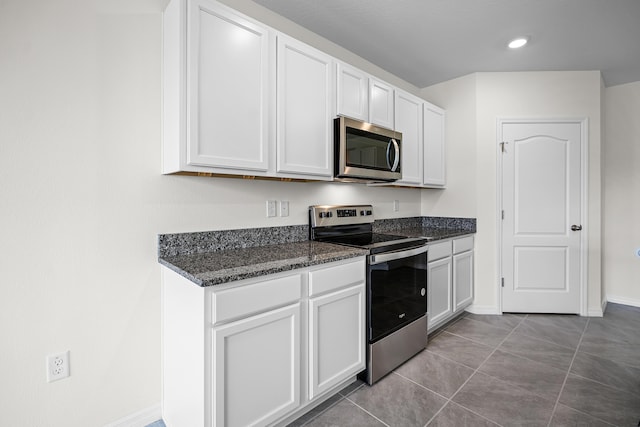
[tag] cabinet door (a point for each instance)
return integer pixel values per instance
(256, 368)
(462, 280)
(336, 338)
(305, 102)
(228, 89)
(352, 92)
(381, 104)
(439, 284)
(408, 120)
(434, 147)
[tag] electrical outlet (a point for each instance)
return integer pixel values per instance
(284, 208)
(271, 208)
(57, 366)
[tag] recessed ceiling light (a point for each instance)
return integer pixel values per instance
(518, 43)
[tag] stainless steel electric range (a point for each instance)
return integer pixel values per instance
(396, 284)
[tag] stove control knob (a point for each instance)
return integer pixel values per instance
(363, 213)
(369, 212)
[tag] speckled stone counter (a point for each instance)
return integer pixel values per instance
(216, 257)
(215, 268)
(430, 228)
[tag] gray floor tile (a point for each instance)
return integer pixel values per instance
(541, 351)
(458, 349)
(506, 321)
(454, 415)
(616, 351)
(600, 401)
(605, 371)
(316, 411)
(603, 328)
(398, 402)
(344, 413)
(435, 373)
(567, 417)
(352, 387)
(557, 335)
(571, 322)
(504, 403)
(544, 380)
(480, 332)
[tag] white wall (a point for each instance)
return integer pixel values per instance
(458, 98)
(473, 147)
(621, 194)
(82, 200)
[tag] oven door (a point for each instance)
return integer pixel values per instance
(397, 290)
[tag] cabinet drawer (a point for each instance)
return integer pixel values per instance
(255, 298)
(439, 250)
(463, 244)
(335, 277)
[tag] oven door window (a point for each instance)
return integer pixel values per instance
(397, 294)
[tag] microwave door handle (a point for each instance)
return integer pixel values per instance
(396, 159)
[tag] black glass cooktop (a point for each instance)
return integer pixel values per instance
(376, 242)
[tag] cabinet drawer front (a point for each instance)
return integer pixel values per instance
(463, 244)
(439, 250)
(336, 277)
(255, 298)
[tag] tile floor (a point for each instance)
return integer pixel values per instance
(510, 370)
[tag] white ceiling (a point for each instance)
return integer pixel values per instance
(429, 41)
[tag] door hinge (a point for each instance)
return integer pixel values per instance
(503, 214)
(502, 144)
(502, 281)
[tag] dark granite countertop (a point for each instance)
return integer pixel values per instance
(216, 257)
(214, 268)
(433, 234)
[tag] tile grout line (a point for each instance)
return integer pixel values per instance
(564, 383)
(475, 372)
(358, 406)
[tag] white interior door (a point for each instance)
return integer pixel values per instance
(541, 196)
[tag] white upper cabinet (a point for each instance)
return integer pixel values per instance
(217, 111)
(352, 92)
(305, 99)
(381, 104)
(408, 120)
(434, 146)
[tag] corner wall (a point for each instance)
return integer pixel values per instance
(621, 194)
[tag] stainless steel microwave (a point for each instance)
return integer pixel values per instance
(365, 152)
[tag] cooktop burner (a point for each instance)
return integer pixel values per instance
(353, 226)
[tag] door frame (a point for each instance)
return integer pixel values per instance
(584, 201)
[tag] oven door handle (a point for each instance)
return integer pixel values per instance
(390, 256)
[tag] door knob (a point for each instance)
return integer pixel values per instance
(576, 227)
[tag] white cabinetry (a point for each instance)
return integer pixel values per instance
(250, 356)
(305, 109)
(439, 282)
(260, 351)
(434, 163)
(381, 104)
(217, 115)
(352, 92)
(408, 120)
(462, 272)
(336, 326)
(449, 279)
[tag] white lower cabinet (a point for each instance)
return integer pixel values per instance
(262, 351)
(336, 328)
(450, 279)
(439, 282)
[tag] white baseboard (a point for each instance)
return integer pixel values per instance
(623, 300)
(139, 419)
(483, 309)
